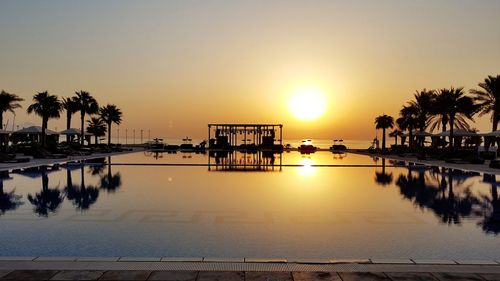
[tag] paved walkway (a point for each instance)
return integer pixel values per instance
(238, 271)
(480, 168)
(42, 162)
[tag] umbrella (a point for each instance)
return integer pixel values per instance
(417, 133)
(73, 132)
(5, 132)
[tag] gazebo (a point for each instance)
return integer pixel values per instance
(458, 135)
(33, 134)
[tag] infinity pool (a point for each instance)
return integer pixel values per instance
(353, 207)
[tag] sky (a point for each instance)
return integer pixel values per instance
(175, 66)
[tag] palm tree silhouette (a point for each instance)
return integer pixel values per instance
(8, 102)
(383, 178)
(46, 106)
(110, 114)
(423, 103)
(48, 200)
(491, 221)
(111, 182)
(384, 122)
(488, 99)
(82, 196)
(70, 105)
(97, 127)
(8, 200)
(408, 120)
(87, 105)
(458, 107)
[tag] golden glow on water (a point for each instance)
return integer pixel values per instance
(307, 103)
(307, 168)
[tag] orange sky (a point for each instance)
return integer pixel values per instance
(174, 66)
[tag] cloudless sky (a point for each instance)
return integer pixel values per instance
(174, 66)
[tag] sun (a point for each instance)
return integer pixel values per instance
(307, 104)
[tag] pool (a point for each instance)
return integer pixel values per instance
(321, 205)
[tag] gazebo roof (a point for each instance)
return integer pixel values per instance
(457, 133)
(73, 132)
(33, 130)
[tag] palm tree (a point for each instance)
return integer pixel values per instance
(110, 114)
(70, 105)
(488, 99)
(384, 122)
(97, 127)
(46, 106)
(457, 107)
(395, 134)
(408, 120)
(87, 105)
(8, 102)
(423, 103)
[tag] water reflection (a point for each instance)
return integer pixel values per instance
(383, 178)
(8, 200)
(82, 196)
(111, 182)
(244, 161)
(48, 200)
(448, 194)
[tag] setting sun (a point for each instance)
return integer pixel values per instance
(307, 103)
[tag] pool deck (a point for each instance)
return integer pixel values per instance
(480, 168)
(100, 269)
(42, 162)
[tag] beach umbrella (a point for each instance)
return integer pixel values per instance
(492, 134)
(457, 133)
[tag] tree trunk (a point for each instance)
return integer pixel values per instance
(109, 134)
(95, 136)
(44, 128)
(68, 120)
(82, 121)
(495, 122)
(1, 120)
(410, 135)
(383, 139)
(452, 120)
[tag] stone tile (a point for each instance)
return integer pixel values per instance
(311, 261)
(140, 259)
(210, 259)
(125, 275)
(221, 276)
(476, 262)
(420, 261)
(392, 261)
(268, 276)
(491, 276)
(181, 259)
(4, 272)
(55, 259)
(30, 275)
(350, 261)
(17, 258)
(78, 275)
(457, 276)
(105, 259)
(315, 276)
(264, 260)
(173, 275)
(409, 276)
(363, 276)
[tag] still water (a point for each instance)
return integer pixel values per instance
(233, 209)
